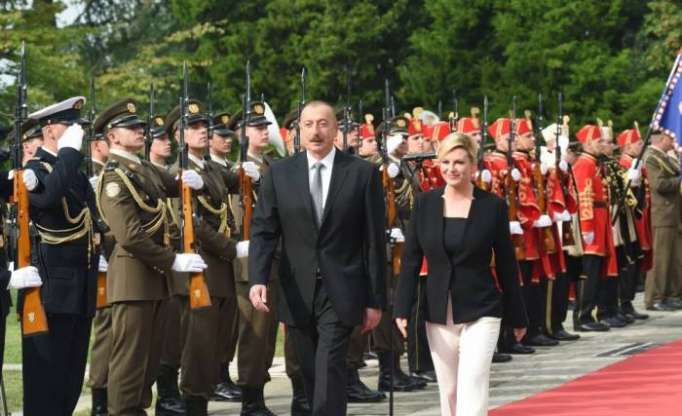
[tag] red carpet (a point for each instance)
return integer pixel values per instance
(646, 384)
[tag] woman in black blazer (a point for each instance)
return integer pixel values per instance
(460, 229)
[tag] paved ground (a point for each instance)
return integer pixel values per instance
(523, 377)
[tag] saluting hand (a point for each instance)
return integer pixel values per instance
(258, 295)
(371, 319)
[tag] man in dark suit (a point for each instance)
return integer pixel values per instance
(327, 208)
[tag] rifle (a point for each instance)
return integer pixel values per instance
(454, 117)
(346, 112)
(481, 149)
(209, 99)
(150, 122)
(517, 240)
(198, 290)
(245, 181)
(566, 227)
(547, 241)
(33, 318)
(359, 126)
(301, 103)
(91, 129)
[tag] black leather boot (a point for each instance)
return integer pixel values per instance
(390, 373)
(196, 406)
(99, 402)
(358, 392)
(226, 390)
(299, 402)
(168, 402)
(253, 403)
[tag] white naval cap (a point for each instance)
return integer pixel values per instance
(549, 134)
(67, 111)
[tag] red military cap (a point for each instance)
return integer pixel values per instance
(502, 126)
(416, 125)
(628, 136)
(467, 125)
(441, 130)
(367, 128)
(588, 132)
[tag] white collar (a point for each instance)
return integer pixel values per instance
(327, 161)
(99, 162)
(158, 165)
(218, 159)
(48, 151)
(196, 160)
(126, 155)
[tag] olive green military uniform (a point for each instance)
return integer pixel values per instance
(665, 278)
(131, 196)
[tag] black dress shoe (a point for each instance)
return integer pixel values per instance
(170, 406)
(630, 310)
(613, 321)
(673, 303)
(591, 327)
(427, 376)
(500, 357)
(227, 392)
(563, 335)
(518, 348)
(660, 307)
(540, 340)
(358, 392)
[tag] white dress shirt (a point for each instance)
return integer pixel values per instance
(328, 163)
(199, 162)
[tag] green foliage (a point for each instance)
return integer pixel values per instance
(610, 58)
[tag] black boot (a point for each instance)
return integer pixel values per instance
(627, 308)
(358, 392)
(299, 401)
(389, 370)
(226, 390)
(168, 402)
(253, 403)
(99, 402)
(196, 406)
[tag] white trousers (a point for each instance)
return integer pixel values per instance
(462, 356)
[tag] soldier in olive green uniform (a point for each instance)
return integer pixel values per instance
(220, 145)
(131, 196)
(100, 351)
(257, 330)
(168, 401)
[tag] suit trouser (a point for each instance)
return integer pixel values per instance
(175, 330)
(560, 292)
(100, 354)
(589, 288)
(54, 365)
(533, 296)
(323, 347)
(628, 272)
(462, 357)
(230, 344)
(207, 328)
(664, 277)
(418, 355)
(137, 337)
(257, 337)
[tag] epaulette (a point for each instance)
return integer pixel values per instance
(111, 165)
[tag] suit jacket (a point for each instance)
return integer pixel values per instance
(347, 250)
(664, 179)
(467, 274)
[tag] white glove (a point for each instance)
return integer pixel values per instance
(93, 182)
(396, 234)
(188, 262)
(393, 170)
(30, 179)
(10, 175)
(25, 277)
(72, 137)
(192, 179)
(486, 176)
(393, 142)
(251, 170)
(563, 165)
(543, 221)
(543, 168)
(562, 216)
(634, 176)
(515, 228)
(635, 163)
(243, 249)
(516, 175)
(103, 265)
(588, 237)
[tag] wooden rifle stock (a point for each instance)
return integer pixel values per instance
(546, 235)
(247, 203)
(198, 290)
(33, 318)
(517, 240)
(392, 216)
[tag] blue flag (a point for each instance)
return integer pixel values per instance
(668, 114)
